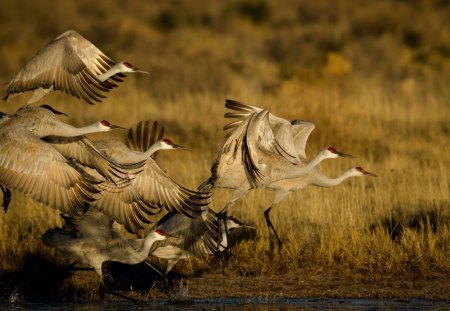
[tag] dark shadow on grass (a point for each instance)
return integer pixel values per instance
(425, 217)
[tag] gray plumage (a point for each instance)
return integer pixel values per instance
(198, 236)
(71, 64)
(136, 200)
(91, 239)
(34, 167)
(260, 151)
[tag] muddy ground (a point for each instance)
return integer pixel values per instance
(41, 280)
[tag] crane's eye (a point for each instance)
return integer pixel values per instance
(359, 168)
(127, 64)
(167, 141)
(104, 123)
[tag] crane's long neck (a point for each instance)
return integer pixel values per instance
(136, 156)
(112, 71)
(153, 148)
(299, 171)
(65, 130)
(143, 252)
(324, 181)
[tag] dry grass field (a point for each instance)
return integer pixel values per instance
(373, 77)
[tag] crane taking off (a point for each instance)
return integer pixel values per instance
(261, 151)
(71, 64)
(34, 167)
(92, 239)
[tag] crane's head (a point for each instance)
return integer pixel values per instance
(167, 144)
(233, 223)
(359, 171)
(105, 126)
(160, 235)
(128, 67)
(331, 153)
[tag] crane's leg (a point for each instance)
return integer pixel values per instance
(222, 215)
(6, 198)
(154, 268)
(279, 196)
(271, 227)
(105, 289)
(164, 283)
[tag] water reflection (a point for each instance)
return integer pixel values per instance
(247, 304)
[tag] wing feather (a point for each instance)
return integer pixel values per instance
(35, 168)
(69, 63)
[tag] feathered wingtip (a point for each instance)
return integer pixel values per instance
(205, 186)
(239, 106)
(144, 134)
(241, 111)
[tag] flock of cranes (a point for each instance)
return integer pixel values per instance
(100, 185)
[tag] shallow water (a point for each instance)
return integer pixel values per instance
(247, 304)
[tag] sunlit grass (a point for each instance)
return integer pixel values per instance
(374, 85)
(396, 222)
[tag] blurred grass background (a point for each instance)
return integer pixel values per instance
(372, 75)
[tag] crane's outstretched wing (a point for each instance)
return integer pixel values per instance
(300, 133)
(133, 202)
(69, 63)
(281, 137)
(35, 168)
(92, 228)
(233, 160)
(82, 150)
(241, 111)
(197, 235)
(265, 152)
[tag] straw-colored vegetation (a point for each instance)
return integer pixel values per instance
(373, 77)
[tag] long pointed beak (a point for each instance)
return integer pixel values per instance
(368, 173)
(175, 146)
(115, 127)
(344, 155)
(168, 235)
(136, 69)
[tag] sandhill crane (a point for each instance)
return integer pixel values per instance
(6, 192)
(71, 64)
(134, 202)
(35, 168)
(197, 236)
(91, 239)
(261, 150)
(286, 186)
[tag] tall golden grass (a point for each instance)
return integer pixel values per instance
(374, 85)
